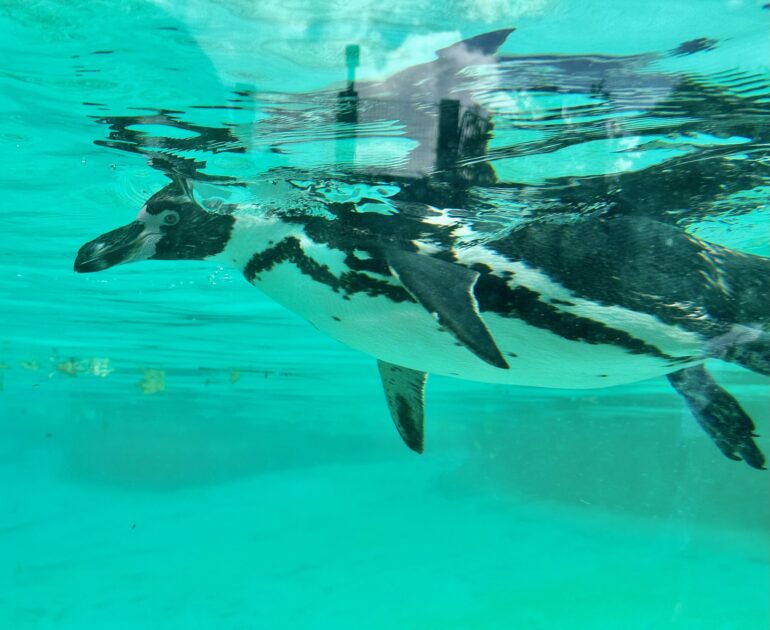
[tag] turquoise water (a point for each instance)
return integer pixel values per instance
(178, 451)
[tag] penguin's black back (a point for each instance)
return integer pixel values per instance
(649, 266)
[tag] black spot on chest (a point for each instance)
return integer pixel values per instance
(348, 283)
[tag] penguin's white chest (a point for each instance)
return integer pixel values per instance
(404, 333)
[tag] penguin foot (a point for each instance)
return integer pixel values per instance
(720, 415)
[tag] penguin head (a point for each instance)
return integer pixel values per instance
(170, 226)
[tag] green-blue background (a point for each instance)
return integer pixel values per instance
(265, 487)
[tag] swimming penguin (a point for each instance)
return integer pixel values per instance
(588, 303)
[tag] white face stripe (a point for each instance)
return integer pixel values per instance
(150, 236)
(148, 248)
(153, 222)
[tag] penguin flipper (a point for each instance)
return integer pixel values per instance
(404, 391)
(445, 290)
(720, 415)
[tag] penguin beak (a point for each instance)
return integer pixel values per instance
(129, 243)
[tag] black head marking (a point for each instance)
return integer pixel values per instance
(188, 231)
(171, 226)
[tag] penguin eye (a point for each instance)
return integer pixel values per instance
(171, 218)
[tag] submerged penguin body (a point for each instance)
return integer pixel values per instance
(547, 334)
(582, 304)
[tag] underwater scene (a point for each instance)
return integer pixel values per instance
(429, 315)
